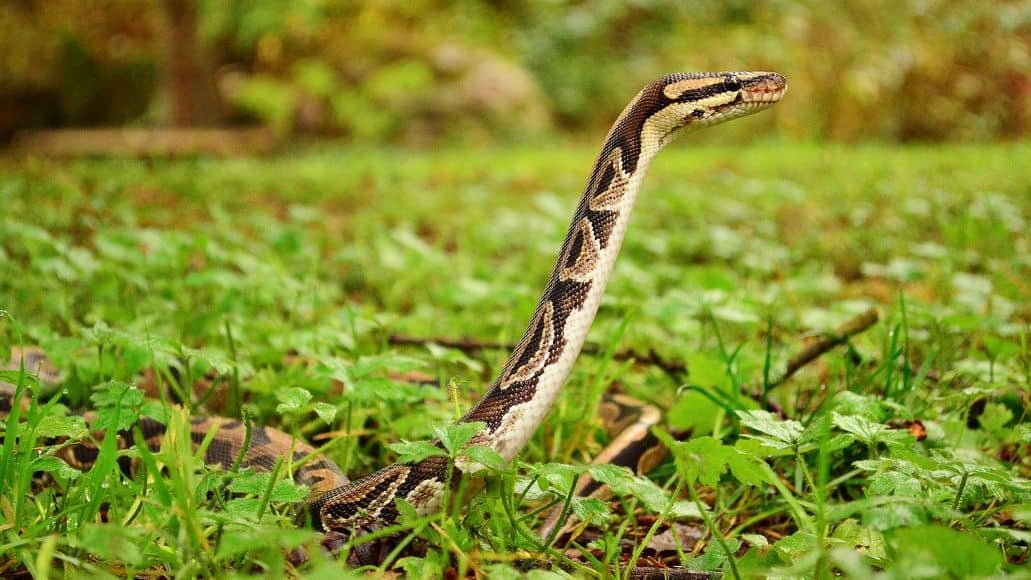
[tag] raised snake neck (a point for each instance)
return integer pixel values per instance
(527, 385)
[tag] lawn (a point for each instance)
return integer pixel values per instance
(274, 286)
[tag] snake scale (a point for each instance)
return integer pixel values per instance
(524, 390)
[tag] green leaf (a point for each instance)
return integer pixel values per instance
(738, 313)
(559, 477)
(999, 348)
(325, 411)
(55, 466)
(363, 383)
(368, 365)
(118, 405)
(496, 571)
(211, 357)
(406, 512)
(625, 483)
(694, 410)
(819, 435)
(454, 356)
(112, 542)
(455, 436)
(58, 426)
(287, 491)
(864, 538)
(995, 419)
(706, 459)
(242, 507)
(796, 546)
(869, 432)
(284, 490)
(708, 372)
(236, 540)
(590, 509)
(12, 377)
(1024, 433)
(955, 554)
(849, 403)
(415, 451)
(292, 399)
(116, 393)
(703, 459)
(156, 410)
(894, 483)
(484, 456)
(746, 468)
(784, 433)
(544, 575)
(249, 482)
(714, 557)
(416, 567)
(762, 447)
(756, 540)
(895, 515)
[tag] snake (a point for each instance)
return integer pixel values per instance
(528, 383)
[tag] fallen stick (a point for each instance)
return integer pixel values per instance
(796, 362)
(145, 142)
(468, 345)
(826, 342)
(808, 354)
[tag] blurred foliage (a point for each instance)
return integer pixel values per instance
(65, 63)
(424, 70)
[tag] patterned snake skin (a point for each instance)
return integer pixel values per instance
(527, 385)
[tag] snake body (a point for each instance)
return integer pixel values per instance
(530, 380)
(524, 390)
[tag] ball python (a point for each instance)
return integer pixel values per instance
(528, 383)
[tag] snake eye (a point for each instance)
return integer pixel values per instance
(731, 84)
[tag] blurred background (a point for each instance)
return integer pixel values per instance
(420, 72)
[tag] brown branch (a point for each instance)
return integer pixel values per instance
(144, 142)
(826, 342)
(808, 354)
(468, 345)
(643, 572)
(462, 344)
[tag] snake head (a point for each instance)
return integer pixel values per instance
(687, 101)
(710, 98)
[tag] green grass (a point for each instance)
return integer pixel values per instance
(223, 267)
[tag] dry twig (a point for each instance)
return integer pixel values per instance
(808, 354)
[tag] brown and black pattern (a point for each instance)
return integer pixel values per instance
(581, 256)
(597, 213)
(569, 285)
(266, 446)
(356, 506)
(565, 294)
(633, 446)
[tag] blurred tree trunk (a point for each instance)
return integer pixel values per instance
(189, 80)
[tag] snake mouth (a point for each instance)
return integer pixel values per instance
(764, 88)
(759, 90)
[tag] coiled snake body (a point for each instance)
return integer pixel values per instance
(524, 390)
